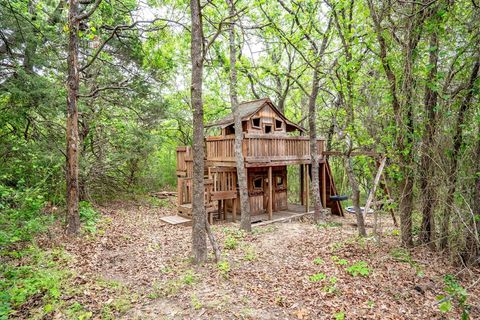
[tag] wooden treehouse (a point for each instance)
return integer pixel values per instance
(270, 143)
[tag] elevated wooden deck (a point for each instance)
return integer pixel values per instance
(261, 150)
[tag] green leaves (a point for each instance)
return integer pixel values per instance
(359, 268)
(317, 277)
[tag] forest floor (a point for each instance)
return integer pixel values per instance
(136, 267)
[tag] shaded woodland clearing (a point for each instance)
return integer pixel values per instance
(136, 267)
(128, 81)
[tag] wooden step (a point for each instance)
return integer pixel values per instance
(176, 220)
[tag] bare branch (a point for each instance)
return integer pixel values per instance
(88, 13)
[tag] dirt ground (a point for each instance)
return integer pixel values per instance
(137, 267)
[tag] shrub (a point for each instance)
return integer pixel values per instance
(224, 268)
(359, 268)
(88, 216)
(317, 277)
(231, 243)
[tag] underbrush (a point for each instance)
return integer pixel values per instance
(32, 279)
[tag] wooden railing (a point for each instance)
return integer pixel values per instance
(261, 147)
(184, 161)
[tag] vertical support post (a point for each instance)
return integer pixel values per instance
(324, 184)
(270, 194)
(307, 189)
(234, 209)
(301, 178)
(179, 192)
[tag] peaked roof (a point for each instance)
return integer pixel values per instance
(248, 109)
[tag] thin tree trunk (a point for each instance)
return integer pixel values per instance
(318, 214)
(355, 196)
(455, 156)
(199, 237)
(349, 109)
(402, 110)
(473, 236)
(72, 216)
(245, 222)
(213, 242)
(427, 186)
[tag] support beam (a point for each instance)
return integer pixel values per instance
(301, 178)
(234, 209)
(324, 186)
(270, 194)
(307, 188)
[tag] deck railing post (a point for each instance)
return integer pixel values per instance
(270, 189)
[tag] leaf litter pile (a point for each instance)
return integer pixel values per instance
(137, 267)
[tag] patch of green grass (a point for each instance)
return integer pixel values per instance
(231, 243)
(359, 268)
(166, 289)
(160, 203)
(263, 230)
(317, 277)
(395, 232)
(196, 303)
(370, 304)
(224, 268)
(331, 286)
(249, 253)
(318, 261)
(402, 255)
(341, 262)
(78, 311)
(337, 246)
(189, 277)
(39, 277)
(339, 315)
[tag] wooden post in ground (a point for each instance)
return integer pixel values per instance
(301, 178)
(234, 209)
(324, 185)
(307, 189)
(270, 194)
(179, 192)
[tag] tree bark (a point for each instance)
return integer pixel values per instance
(318, 214)
(355, 197)
(427, 186)
(473, 236)
(455, 155)
(73, 80)
(245, 222)
(199, 238)
(402, 109)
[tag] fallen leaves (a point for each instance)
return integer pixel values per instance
(283, 271)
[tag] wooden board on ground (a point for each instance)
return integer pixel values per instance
(279, 217)
(176, 220)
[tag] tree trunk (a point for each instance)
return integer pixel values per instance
(473, 237)
(318, 213)
(427, 186)
(245, 222)
(199, 238)
(455, 155)
(72, 216)
(355, 197)
(402, 109)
